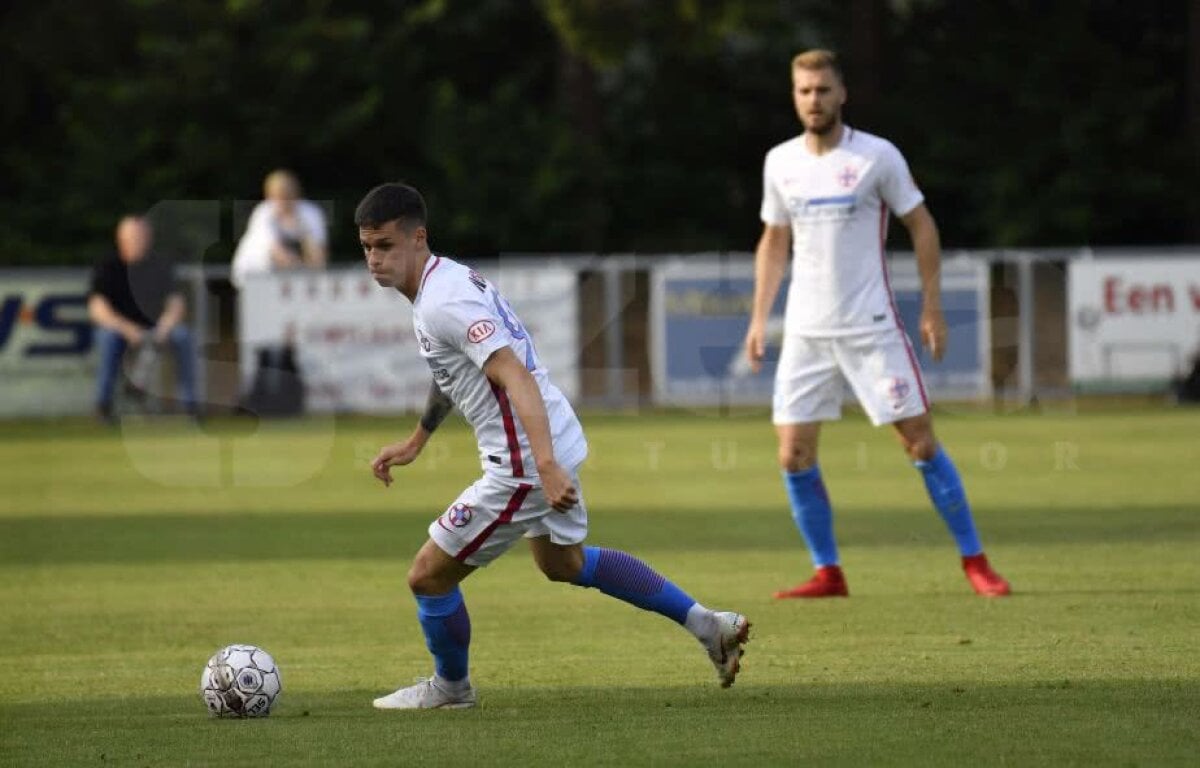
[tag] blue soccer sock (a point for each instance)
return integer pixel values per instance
(813, 514)
(447, 629)
(950, 500)
(621, 575)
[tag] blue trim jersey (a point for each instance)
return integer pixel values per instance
(460, 319)
(837, 205)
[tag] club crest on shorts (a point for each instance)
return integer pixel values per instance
(896, 389)
(459, 515)
(480, 330)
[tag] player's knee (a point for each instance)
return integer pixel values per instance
(920, 447)
(794, 458)
(563, 569)
(422, 581)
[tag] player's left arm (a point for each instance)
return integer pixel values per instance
(928, 246)
(437, 408)
(505, 369)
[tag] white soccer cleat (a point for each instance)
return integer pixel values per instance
(427, 693)
(724, 646)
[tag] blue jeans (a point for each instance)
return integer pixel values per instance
(112, 347)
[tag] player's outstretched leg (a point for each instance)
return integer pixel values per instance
(814, 517)
(623, 576)
(950, 499)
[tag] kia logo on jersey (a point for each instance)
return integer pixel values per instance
(480, 330)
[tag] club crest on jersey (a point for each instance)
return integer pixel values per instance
(848, 177)
(480, 330)
(459, 515)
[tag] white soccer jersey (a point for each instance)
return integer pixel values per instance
(837, 205)
(460, 319)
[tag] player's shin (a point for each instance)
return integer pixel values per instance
(813, 514)
(623, 576)
(950, 499)
(447, 628)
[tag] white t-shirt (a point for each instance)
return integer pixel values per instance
(460, 319)
(253, 254)
(838, 204)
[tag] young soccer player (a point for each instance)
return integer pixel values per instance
(530, 446)
(827, 194)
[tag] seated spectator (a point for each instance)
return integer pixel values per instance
(133, 302)
(284, 231)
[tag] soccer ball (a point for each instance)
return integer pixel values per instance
(240, 681)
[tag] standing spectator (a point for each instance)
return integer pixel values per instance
(133, 302)
(284, 231)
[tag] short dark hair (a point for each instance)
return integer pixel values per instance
(391, 202)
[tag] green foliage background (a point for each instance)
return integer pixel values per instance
(589, 125)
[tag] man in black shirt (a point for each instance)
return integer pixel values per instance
(133, 303)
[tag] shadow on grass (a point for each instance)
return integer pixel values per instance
(289, 535)
(1050, 722)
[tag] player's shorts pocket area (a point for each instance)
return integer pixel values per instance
(491, 515)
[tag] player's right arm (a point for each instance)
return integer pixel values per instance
(437, 407)
(504, 369)
(770, 263)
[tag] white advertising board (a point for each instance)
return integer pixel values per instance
(354, 340)
(1133, 321)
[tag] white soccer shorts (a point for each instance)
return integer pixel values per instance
(880, 367)
(492, 513)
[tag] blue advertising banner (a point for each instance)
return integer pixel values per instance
(46, 361)
(700, 311)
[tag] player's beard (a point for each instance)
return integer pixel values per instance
(826, 127)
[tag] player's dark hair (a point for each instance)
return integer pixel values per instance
(391, 202)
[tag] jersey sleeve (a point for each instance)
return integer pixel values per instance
(896, 184)
(774, 208)
(469, 324)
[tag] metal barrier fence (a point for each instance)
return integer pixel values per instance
(665, 329)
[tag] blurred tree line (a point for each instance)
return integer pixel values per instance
(592, 125)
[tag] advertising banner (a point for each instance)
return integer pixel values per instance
(701, 308)
(46, 363)
(1134, 322)
(354, 343)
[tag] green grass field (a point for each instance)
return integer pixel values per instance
(128, 557)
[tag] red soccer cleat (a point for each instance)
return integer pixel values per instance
(983, 579)
(828, 581)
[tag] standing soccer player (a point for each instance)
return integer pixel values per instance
(530, 445)
(827, 192)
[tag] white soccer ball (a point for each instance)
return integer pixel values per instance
(240, 681)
